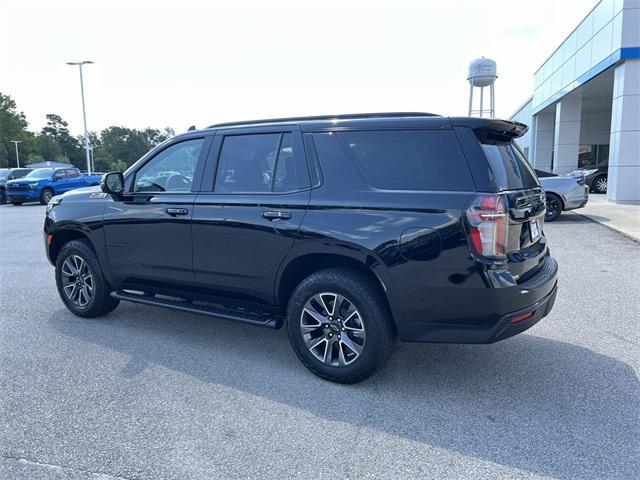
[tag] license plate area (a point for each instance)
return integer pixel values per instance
(534, 230)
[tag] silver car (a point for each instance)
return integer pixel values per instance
(564, 192)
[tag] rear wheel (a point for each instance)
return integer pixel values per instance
(46, 195)
(600, 184)
(554, 207)
(80, 281)
(339, 326)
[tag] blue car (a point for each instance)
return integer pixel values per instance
(42, 184)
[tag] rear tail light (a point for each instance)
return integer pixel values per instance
(487, 217)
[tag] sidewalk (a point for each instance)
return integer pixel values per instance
(623, 218)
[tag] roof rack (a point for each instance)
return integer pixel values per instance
(348, 116)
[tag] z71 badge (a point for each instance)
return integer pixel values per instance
(97, 195)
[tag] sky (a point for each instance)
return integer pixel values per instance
(181, 63)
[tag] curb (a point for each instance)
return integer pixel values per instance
(614, 229)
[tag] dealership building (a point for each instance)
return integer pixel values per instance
(585, 108)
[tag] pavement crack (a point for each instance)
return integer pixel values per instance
(622, 338)
(64, 468)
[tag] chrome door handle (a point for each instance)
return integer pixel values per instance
(276, 215)
(176, 212)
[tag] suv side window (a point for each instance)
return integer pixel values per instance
(171, 170)
(72, 173)
(409, 159)
(248, 162)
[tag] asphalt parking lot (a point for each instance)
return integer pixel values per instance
(146, 393)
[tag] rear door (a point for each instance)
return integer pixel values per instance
(73, 179)
(249, 211)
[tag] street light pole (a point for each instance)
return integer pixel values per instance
(16, 142)
(84, 112)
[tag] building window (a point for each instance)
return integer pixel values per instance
(593, 156)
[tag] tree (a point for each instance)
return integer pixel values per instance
(47, 148)
(13, 126)
(57, 130)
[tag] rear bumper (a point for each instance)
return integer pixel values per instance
(491, 314)
(577, 198)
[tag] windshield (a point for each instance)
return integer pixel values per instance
(3, 173)
(40, 173)
(510, 168)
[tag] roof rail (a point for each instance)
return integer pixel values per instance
(348, 116)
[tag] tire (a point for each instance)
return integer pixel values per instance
(91, 296)
(363, 322)
(600, 184)
(3, 197)
(17, 204)
(554, 207)
(45, 196)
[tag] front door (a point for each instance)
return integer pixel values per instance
(245, 225)
(148, 231)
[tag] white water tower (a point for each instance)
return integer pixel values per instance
(482, 73)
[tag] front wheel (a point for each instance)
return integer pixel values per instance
(45, 196)
(339, 326)
(554, 208)
(17, 204)
(600, 184)
(81, 283)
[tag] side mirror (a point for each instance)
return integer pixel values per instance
(112, 183)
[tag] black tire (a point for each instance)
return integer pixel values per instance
(45, 196)
(3, 197)
(100, 302)
(554, 207)
(17, 204)
(600, 184)
(360, 293)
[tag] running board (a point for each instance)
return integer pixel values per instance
(234, 315)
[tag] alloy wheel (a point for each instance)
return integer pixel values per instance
(601, 185)
(47, 195)
(554, 209)
(77, 280)
(332, 329)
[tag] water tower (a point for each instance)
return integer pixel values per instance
(482, 73)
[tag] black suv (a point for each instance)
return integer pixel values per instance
(351, 229)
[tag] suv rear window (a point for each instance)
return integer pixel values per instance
(510, 168)
(409, 159)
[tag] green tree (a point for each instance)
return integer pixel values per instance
(13, 126)
(47, 148)
(57, 130)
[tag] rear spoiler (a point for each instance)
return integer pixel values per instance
(491, 130)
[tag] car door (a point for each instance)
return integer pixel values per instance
(249, 211)
(73, 179)
(60, 181)
(148, 230)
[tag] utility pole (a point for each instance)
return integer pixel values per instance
(84, 112)
(16, 142)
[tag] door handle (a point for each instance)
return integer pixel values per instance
(176, 212)
(276, 215)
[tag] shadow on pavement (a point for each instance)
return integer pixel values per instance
(530, 403)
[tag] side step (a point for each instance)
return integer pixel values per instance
(234, 315)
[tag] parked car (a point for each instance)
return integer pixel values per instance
(562, 193)
(351, 230)
(42, 184)
(10, 174)
(595, 178)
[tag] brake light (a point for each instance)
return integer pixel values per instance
(487, 217)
